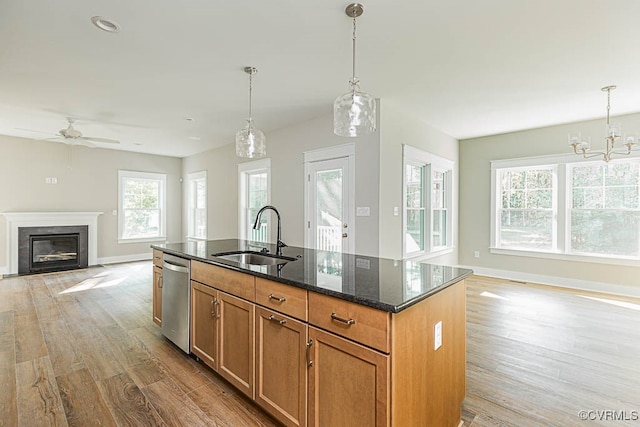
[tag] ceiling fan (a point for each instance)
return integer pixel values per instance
(72, 136)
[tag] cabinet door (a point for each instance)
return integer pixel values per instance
(236, 351)
(157, 295)
(281, 372)
(348, 383)
(204, 323)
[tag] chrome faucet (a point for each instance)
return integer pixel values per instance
(279, 244)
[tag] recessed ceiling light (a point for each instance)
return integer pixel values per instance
(105, 24)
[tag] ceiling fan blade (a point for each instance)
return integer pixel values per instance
(37, 131)
(105, 140)
(81, 141)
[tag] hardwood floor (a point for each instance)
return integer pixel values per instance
(537, 356)
(80, 348)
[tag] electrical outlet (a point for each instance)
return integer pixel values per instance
(476, 254)
(395, 211)
(47, 180)
(437, 339)
(54, 180)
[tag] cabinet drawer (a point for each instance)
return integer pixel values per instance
(157, 258)
(283, 298)
(360, 323)
(235, 283)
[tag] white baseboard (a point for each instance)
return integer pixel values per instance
(563, 282)
(3, 271)
(125, 258)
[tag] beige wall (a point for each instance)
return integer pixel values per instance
(475, 210)
(87, 181)
(398, 127)
(285, 147)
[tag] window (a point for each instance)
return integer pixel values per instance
(197, 205)
(558, 207)
(526, 211)
(254, 180)
(605, 208)
(141, 205)
(428, 192)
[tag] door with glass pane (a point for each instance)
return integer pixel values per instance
(327, 213)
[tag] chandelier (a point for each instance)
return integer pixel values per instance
(250, 142)
(614, 133)
(354, 113)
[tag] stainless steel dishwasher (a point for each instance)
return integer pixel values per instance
(176, 299)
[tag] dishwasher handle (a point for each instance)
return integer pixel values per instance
(174, 267)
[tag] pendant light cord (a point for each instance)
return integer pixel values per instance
(250, 90)
(608, 105)
(354, 81)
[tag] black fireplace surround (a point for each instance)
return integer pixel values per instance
(55, 248)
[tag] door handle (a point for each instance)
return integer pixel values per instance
(344, 234)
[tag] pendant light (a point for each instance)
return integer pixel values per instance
(354, 113)
(250, 142)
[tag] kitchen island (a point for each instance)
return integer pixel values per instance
(328, 338)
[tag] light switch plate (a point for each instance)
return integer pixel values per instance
(363, 263)
(363, 211)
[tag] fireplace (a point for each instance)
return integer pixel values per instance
(57, 248)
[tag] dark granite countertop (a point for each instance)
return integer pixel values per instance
(385, 284)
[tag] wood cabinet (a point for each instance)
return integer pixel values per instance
(204, 323)
(157, 295)
(236, 342)
(157, 287)
(348, 383)
(281, 366)
(311, 359)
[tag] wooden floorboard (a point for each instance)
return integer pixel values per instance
(80, 348)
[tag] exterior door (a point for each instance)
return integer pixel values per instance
(328, 210)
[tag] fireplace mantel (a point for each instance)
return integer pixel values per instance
(48, 219)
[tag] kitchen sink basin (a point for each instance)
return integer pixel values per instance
(254, 258)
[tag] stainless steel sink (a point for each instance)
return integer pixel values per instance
(254, 258)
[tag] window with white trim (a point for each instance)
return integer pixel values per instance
(557, 207)
(605, 208)
(254, 180)
(197, 205)
(141, 206)
(527, 212)
(427, 200)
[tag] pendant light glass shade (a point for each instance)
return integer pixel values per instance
(354, 113)
(250, 142)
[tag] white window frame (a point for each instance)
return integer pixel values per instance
(430, 162)
(244, 170)
(162, 179)
(191, 209)
(563, 211)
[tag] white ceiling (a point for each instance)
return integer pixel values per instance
(467, 67)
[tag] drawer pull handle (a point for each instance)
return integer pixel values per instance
(279, 299)
(159, 281)
(273, 319)
(341, 320)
